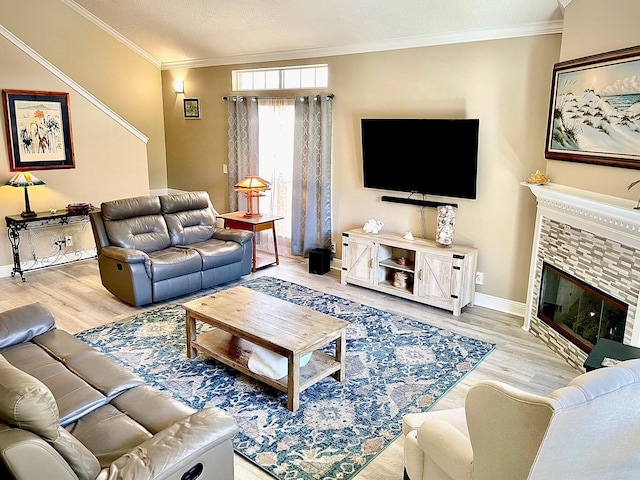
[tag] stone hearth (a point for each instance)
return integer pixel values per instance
(593, 237)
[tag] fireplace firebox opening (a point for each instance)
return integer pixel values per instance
(578, 311)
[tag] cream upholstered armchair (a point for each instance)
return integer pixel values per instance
(589, 429)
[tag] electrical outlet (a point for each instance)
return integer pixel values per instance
(479, 278)
(68, 241)
(333, 248)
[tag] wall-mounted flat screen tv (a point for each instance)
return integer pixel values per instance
(425, 156)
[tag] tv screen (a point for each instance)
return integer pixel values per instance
(426, 156)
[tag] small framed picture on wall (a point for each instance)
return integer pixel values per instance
(191, 108)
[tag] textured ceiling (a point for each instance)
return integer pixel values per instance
(176, 33)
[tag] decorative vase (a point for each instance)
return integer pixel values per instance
(400, 279)
(445, 225)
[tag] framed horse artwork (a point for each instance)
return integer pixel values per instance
(38, 130)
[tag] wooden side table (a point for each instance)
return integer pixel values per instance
(255, 224)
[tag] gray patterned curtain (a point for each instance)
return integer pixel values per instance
(243, 144)
(311, 214)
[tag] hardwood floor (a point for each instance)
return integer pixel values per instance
(74, 294)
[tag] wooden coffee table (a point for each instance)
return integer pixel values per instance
(243, 318)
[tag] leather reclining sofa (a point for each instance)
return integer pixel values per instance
(158, 247)
(69, 412)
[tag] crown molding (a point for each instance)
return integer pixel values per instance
(542, 28)
(527, 30)
(114, 33)
(71, 83)
(563, 4)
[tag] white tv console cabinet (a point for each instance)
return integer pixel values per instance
(443, 277)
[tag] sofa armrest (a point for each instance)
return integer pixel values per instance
(21, 324)
(449, 448)
(25, 456)
(233, 234)
(99, 232)
(176, 449)
(126, 255)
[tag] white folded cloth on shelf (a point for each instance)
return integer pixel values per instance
(271, 364)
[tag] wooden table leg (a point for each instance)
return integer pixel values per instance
(341, 356)
(275, 242)
(255, 254)
(191, 335)
(293, 383)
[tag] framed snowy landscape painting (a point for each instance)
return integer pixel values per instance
(594, 115)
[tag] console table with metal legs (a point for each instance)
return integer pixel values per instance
(17, 224)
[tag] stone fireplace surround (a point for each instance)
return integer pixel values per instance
(593, 237)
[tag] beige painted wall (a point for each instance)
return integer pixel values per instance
(197, 149)
(110, 160)
(592, 27)
(504, 83)
(119, 77)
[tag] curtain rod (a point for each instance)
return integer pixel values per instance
(226, 98)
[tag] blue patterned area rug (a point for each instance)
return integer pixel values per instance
(395, 366)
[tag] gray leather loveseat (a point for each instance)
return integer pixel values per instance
(68, 412)
(158, 247)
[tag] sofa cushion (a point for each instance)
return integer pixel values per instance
(184, 201)
(189, 216)
(190, 227)
(136, 223)
(60, 344)
(174, 262)
(21, 324)
(153, 409)
(93, 367)
(102, 373)
(147, 234)
(26, 402)
(115, 210)
(217, 253)
(108, 433)
(74, 396)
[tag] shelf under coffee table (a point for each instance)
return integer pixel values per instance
(244, 318)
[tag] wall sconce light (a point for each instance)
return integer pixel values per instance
(253, 188)
(25, 179)
(178, 85)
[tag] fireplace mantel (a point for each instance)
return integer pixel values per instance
(605, 215)
(602, 216)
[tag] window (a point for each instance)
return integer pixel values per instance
(308, 76)
(276, 117)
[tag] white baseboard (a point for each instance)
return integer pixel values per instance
(480, 299)
(499, 304)
(5, 270)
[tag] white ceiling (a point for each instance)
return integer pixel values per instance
(186, 33)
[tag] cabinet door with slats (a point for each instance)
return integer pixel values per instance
(434, 278)
(360, 260)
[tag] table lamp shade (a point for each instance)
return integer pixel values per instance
(25, 179)
(252, 187)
